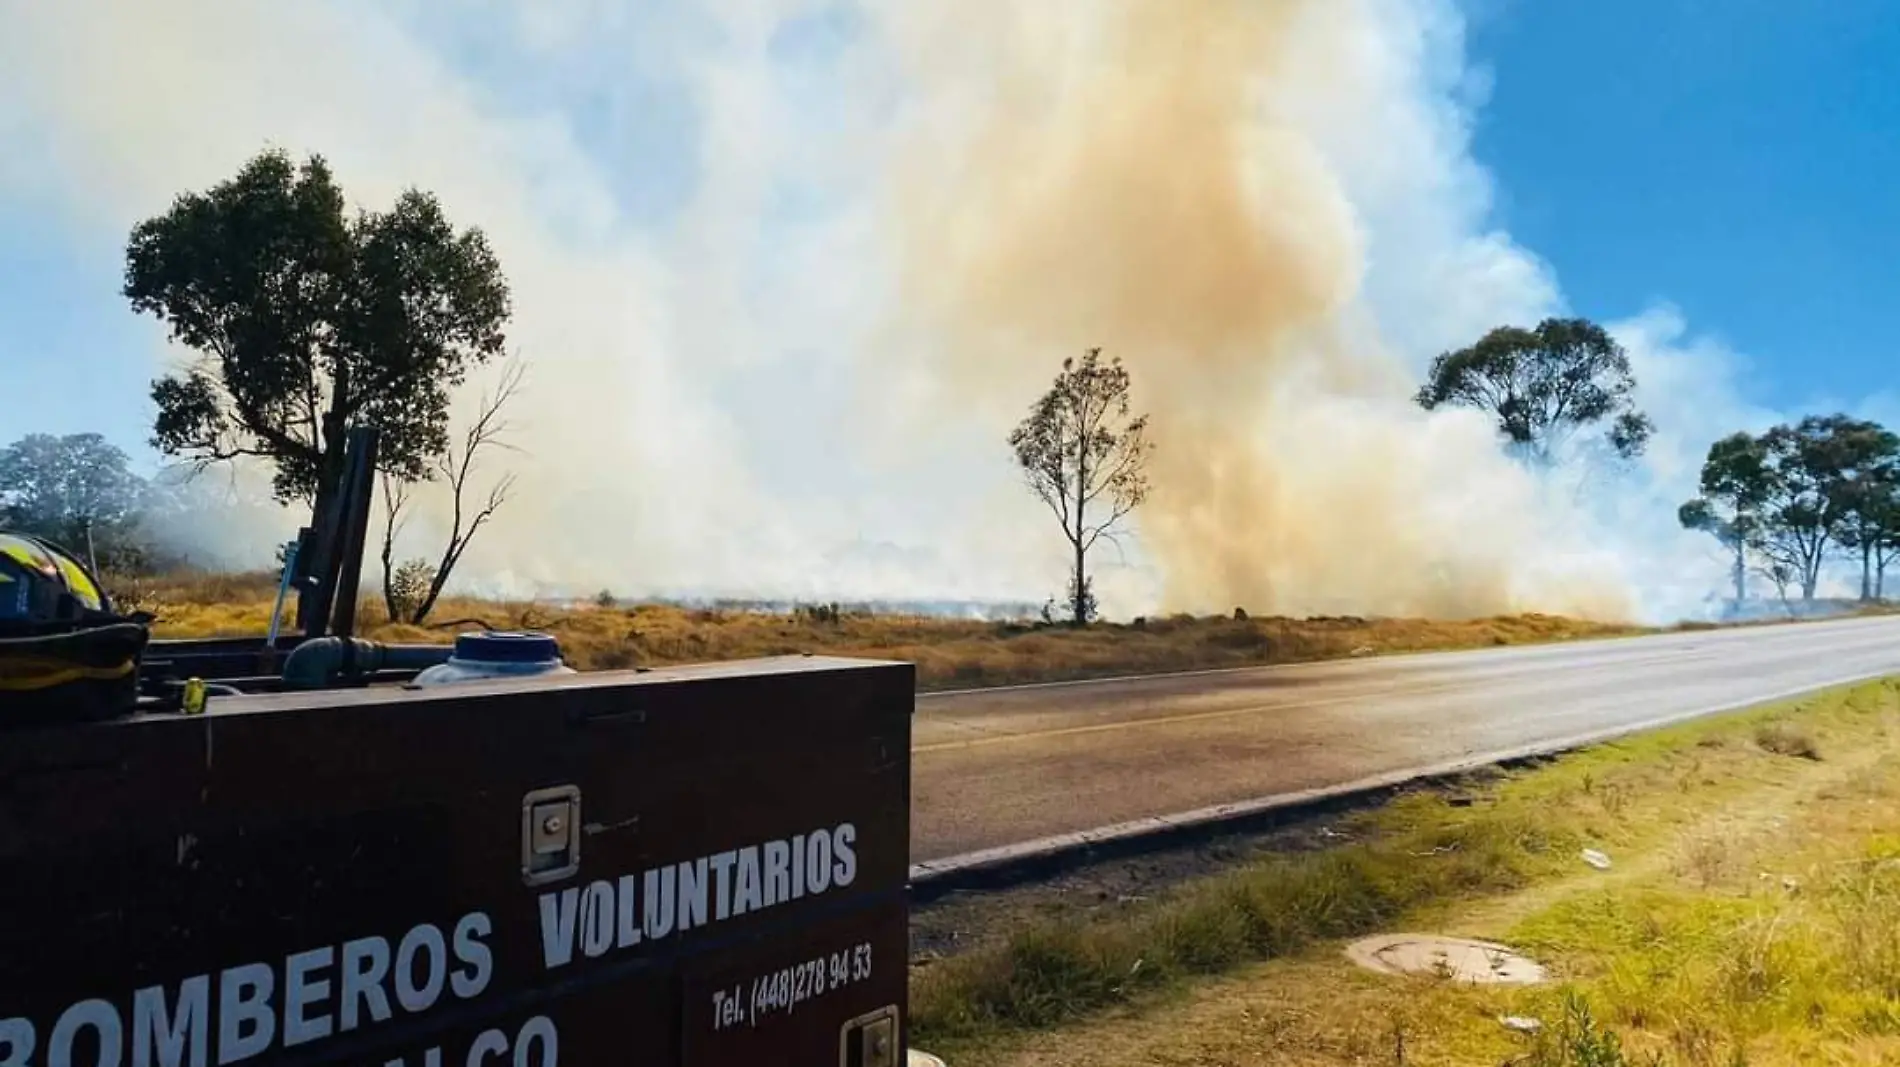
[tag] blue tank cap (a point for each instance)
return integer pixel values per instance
(501, 646)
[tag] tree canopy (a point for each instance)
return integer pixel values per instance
(66, 487)
(1794, 494)
(1856, 465)
(1085, 456)
(1810, 464)
(310, 320)
(1734, 491)
(1543, 386)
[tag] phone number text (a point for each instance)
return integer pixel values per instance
(780, 992)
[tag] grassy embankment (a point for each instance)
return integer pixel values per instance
(949, 653)
(1751, 916)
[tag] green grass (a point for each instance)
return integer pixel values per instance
(1647, 954)
(1579, 1040)
(1794, 948)
(1050, 974)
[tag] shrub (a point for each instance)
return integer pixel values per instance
(408, 585)
(1784, 739)
(1578, 1041)
(821, 614)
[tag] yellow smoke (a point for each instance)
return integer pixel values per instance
(1115, 173)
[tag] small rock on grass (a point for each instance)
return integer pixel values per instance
(1523, 1024)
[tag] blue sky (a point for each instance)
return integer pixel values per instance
(1735, 157)
(76, 358)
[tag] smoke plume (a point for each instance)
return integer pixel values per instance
(787, 270)
(1132, 178)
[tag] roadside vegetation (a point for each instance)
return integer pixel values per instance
(1750, 915)
(948, 652)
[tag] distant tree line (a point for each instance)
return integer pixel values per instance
(1785, 502)
(79, 491)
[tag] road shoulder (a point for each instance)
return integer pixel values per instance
(1742, 909)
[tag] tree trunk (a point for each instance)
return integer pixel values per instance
(1741, 575)
(436, 582)
(389, 593)
(1866, 570)
(1079, 589)
(1079, 593)
(1808, 569)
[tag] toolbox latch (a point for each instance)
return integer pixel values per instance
(550, 834)
(870, 1040)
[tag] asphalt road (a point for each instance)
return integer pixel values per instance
(1002, 766)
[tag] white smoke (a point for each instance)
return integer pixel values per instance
(708, 216)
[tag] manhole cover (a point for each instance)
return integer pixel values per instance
(1455, 958)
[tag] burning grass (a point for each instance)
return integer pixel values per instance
(949, 653)
(1749, 917)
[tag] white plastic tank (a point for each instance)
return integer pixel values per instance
(497, 654)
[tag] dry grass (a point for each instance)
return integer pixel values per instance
(1787, 739)
(1752, 916)
(949, 653)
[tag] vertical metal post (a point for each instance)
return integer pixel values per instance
(283, 590)
(353, 531)
(328, 596)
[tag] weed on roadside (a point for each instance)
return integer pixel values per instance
(1579, 1041)
(1708, 860)
(1786, 739)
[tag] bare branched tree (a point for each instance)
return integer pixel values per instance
(408, 596)
(1085, 457)
(397, 601)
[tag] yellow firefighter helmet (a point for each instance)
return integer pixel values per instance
(64, 653)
